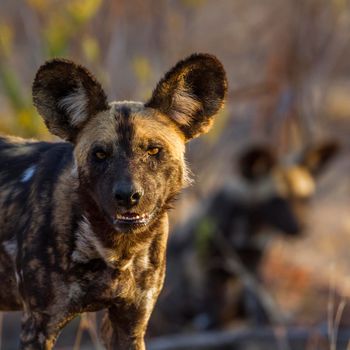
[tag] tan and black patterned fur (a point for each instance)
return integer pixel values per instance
(70, 238)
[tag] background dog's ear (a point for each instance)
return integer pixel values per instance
(256, 162)
(191, 93)
(316, 158)
(66, 95)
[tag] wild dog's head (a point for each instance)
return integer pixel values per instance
(129, 155)
(280, 192)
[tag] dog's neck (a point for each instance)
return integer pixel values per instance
(117, 249)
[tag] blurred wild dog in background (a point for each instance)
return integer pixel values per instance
(214, 259)
(83, 223)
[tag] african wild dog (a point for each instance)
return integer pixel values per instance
(235, 224)
(84, 222)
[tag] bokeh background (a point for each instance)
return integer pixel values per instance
(288, 68)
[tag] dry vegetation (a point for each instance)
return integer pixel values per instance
(289, 74)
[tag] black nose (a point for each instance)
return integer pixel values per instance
(127, 194)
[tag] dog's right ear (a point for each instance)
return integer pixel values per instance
(66, 95)
(256, 162)
(317, 157)
(191, 94)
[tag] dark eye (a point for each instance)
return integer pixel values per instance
(152, 151)
(101, 155)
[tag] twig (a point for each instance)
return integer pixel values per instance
(1, 325)
(82, 326)
(336, 322)
(334, 317)
(330, 308)
(92, 329)
(88, 323)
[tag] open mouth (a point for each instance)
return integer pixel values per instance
(132, 219)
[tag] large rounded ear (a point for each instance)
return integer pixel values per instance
(191, 93)
(315, 158)
(256, 162)
(66, 95)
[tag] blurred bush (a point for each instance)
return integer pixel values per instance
(60, 22)
(289, 84)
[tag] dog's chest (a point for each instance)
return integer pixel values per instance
(94, 285)
(102, 275)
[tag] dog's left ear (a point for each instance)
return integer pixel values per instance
(317, 157)
(67, 95)
(257, 162)
(191, 93)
